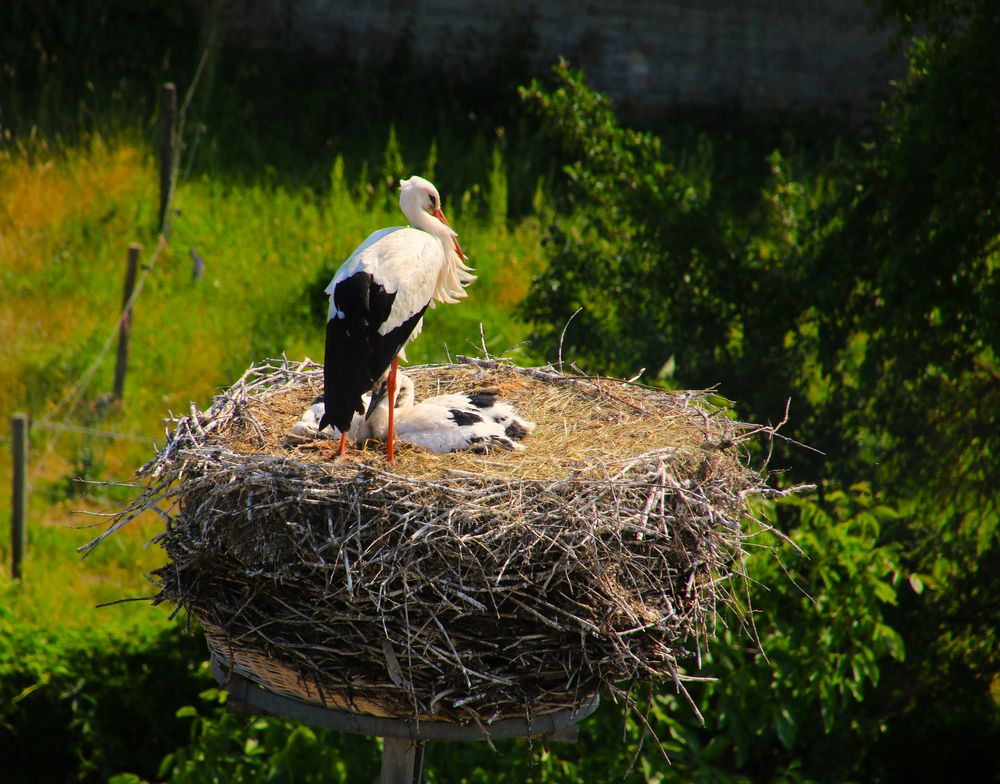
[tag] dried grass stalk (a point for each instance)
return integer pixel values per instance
(457, 586)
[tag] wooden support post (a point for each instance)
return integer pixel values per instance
(19, 503)
(402, 761)
(168, 127)
(125, 330)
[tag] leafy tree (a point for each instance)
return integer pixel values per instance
(910, 281)
(917, 300)
(665, 277)
(869, 294)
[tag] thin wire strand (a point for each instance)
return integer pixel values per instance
(61, 427)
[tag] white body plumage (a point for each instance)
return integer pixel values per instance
(403, 262)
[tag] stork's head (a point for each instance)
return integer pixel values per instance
(417, 193)
(421, 204)
(375, 423)
(405, 394)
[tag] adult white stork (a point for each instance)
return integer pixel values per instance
(377, 302)
(476, 421)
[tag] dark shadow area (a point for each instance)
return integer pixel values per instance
(67, 73)
(99, 708)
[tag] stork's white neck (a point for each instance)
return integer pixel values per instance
(431, 225)
(377, 424)
(423, 220)
(454, 275)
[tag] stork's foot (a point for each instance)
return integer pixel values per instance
(327, 449)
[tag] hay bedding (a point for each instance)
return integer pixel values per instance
(458, 586)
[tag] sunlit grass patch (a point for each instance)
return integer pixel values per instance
(59, 589)
(42, 189)
(266, 251)
(65, 220)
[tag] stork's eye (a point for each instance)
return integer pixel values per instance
(434, 201)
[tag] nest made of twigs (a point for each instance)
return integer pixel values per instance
(456, 586)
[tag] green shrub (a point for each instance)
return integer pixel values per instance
(230, 748)
(84, 704)
(867, 293)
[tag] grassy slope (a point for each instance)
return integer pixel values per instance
(65, 221)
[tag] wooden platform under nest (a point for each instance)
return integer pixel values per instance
(458, 586)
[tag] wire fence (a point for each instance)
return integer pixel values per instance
(63, 427)
(60, 421)
(171, 154)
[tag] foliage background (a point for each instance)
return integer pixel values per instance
(850, 268)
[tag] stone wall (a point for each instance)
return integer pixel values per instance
(753, 54)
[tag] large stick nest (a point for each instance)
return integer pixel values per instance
(458, 586)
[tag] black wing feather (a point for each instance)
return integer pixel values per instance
(356, 354)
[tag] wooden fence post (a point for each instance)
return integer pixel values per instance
(19, 503)
(125, 330)
(168, 126)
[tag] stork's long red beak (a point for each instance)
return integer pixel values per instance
(458, 248)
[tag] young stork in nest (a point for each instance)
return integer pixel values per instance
(377, 302)
(475, 421)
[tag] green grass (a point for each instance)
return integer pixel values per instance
(66, 218)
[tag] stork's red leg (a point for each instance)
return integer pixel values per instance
(390, 385)
(343, 445)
